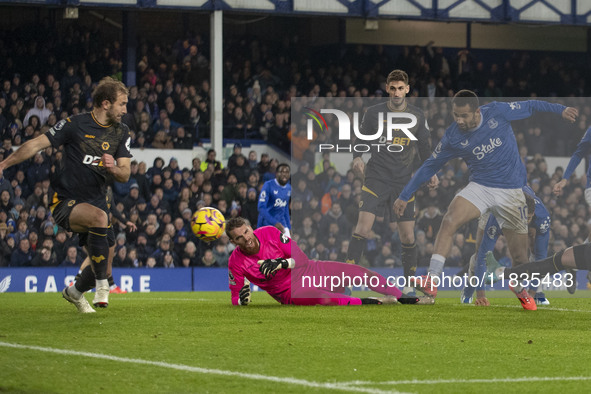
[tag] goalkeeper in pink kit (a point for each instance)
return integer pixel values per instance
(270, 260)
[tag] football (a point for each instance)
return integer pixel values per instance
(208, 224)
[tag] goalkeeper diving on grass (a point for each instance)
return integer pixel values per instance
(269, 259)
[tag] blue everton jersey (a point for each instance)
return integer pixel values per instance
(490, 150)
(541, 223)
(274, 204)
(583, 150)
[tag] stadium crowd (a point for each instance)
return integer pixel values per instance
(47, 76)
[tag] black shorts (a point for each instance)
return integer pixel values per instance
(378, 198)
(62, 209)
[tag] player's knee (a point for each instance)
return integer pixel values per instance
(449, 225)
(98, 218)
(86, 216)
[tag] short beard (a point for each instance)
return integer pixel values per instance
(110, 118)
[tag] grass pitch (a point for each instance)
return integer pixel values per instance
(197, 342)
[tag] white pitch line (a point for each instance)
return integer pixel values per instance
(209, 371)
(492, 380)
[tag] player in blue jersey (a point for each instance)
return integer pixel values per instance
(483, 137)
(274, 201)
(583, 150)
(488, 233)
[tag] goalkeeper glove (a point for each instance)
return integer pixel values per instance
(270, 267)
(245, 295)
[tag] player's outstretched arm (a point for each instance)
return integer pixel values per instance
(270, 267)
(26, 151)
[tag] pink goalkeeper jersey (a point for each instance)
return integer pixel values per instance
(274, 245)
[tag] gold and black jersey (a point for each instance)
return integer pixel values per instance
(394, 167)
(83, 176)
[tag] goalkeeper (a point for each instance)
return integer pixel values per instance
(270, 260)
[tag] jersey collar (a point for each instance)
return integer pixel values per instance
(97, 122)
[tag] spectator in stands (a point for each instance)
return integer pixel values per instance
(430, 222)
(162, 140)
(237, 151)
(35, 222)
(182, 139)
(271, 172)
(156, 168)
(44, 258)
(39, 110)
(334, 216)
(252, 160)
(220, 254)
(211, 155)
(329, 198)
(241, 169)
(5, 250)
(17, 207)
(73, 258)
(47, 231)
(264, 165)
(38, 170)
(386, 258)
(249, 208)
(155, 206)
(164, 250)
(5, 203)
(173, 165)
(254, 180)
(208, 259)
(138, 174)
(190, 257)
(143, 250)
(131, 200)
(23, 255)
(22, 231)
(150, 262)
(170, 193)
(121, 258)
